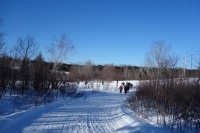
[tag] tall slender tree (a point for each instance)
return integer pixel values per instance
(59, 52)
(26, 49)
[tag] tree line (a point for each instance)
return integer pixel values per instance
(23, 68)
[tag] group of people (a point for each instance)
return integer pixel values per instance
(126, 87)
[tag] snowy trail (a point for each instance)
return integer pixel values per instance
(99, 113)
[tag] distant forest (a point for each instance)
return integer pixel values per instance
(88, 71)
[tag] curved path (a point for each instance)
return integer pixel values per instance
(99, 113)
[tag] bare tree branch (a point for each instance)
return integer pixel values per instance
(60, 50)
(26, 47)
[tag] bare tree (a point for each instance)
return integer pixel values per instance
(39, 74)
(157, 57)
(59, 51)
(26, 49)
(191, 58)
(162, 65)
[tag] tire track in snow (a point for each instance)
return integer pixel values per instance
(75, 121)
(104, 116)
(102, 113)
(97, 119)
(112, 119)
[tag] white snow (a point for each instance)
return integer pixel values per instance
(102, 111)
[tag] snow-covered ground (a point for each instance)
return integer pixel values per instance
(99, 111)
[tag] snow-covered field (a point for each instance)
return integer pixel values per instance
(100, 111)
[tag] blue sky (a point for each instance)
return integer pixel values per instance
(105, 31)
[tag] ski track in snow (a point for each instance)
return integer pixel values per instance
(102, 112)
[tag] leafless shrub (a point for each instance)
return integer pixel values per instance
(179, 103)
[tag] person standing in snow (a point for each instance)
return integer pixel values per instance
(123, 83)
(125, 88)
(128, 86)
(120, 89)
(86, 82)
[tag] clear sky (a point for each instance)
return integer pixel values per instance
(105, 31)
